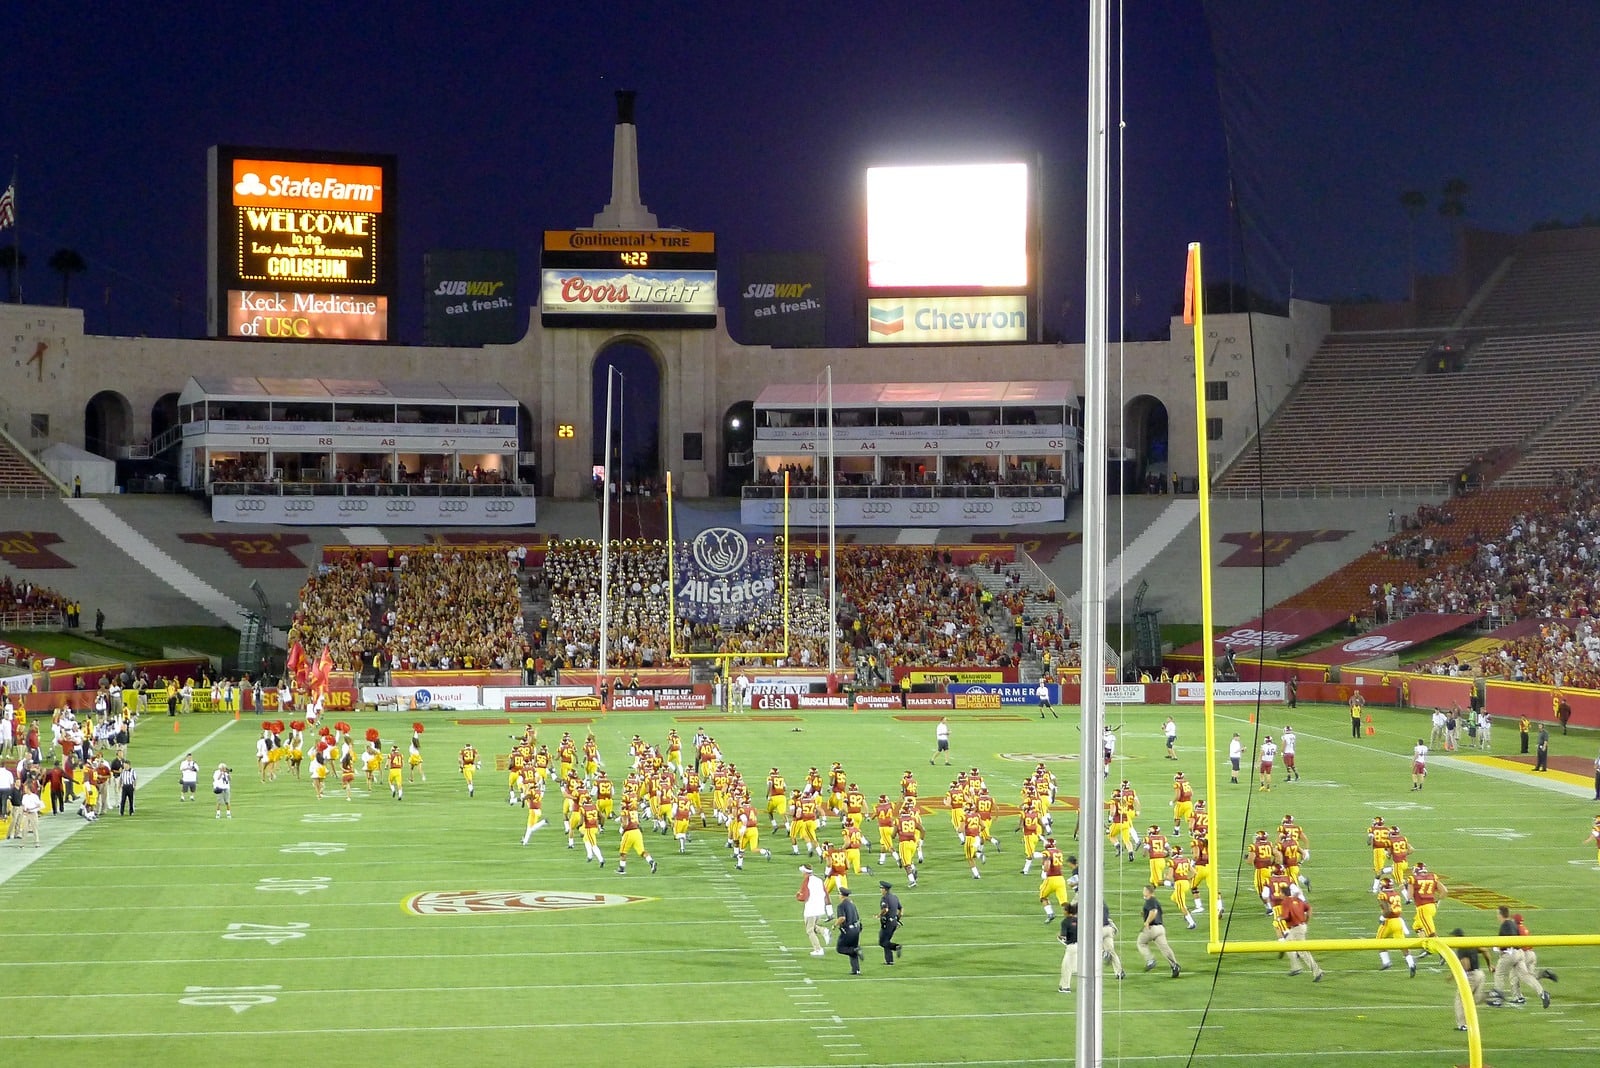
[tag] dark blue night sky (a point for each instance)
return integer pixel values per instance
(756, 121)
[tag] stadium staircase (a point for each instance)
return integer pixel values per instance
(20, 473)
(143, 551)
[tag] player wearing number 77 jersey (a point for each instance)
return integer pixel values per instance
(1426, 890)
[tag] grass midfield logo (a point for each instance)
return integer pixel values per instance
(500, 902)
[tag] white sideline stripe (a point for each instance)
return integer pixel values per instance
(14, 861)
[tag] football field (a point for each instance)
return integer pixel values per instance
(421, 931)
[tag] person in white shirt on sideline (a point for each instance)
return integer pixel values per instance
(813, 900)
(222, 786)
(188, 777)
(1235, 757)
(941, 740)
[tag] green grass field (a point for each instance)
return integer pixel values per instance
(280, 936)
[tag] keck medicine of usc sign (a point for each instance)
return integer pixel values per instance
(303, 246)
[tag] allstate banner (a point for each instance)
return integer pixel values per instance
(726, 576)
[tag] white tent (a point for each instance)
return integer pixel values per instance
(67, 462)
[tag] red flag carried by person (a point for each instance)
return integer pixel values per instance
(297, 665)
(319, 674)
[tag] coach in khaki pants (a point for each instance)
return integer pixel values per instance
(1154, 932)
(1296, 917)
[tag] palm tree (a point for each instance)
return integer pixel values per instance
(1413, 200)
(66, 262)
(12, 260)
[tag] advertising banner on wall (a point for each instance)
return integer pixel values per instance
(643, 278)
(470, 298)
(592, 292)
(947, 226)
(300, 244)
(782, 298)
(946, 320)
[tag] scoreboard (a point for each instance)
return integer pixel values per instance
(301, 244)
(641, 278)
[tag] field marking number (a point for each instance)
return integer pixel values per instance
(331, 817)
(296, 886)
(270, 933)
(320, 849)
(1399, 806)
(237, 998)
(1504, 834)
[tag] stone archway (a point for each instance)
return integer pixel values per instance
(1145, 434)
(737, 462)
(636, 446)
(108, 424)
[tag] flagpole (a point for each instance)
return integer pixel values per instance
(833, 543)
(1194, 311)
(1092, 628)
(605, 533)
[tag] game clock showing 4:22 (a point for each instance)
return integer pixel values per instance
(654, 250)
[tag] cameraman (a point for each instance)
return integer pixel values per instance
(222, 786)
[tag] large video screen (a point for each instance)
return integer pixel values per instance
(949, 226)
(302, 244)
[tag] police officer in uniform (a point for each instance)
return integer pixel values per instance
(848, 920)
(890, 917)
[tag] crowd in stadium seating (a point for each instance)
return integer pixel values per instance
(25, 604)
(895, 606)
(976, 473)
(1542, 566)
(455, 609)
(915, 607)
(246, 470)
(638, 606)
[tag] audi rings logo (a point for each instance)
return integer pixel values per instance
(977, 507)
(500, 506)
(1025, 507)
(299, 506)
(924, 507)
(346, 506)
(249, 504)
(875, 508)
(772, 507)
(393, 507)
(818, 507)
(452, 506)
(720, 550)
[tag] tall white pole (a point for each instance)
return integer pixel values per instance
(1092, 625)
(605, 532)
(833, 545)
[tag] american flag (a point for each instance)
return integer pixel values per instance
(8, 206)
